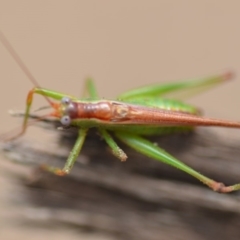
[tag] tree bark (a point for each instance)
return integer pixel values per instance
(137, 199)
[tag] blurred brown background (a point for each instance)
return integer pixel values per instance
(122, 45)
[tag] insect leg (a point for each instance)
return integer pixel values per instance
(47, 94)
(148, 149)
(175, 90)
(90, 89)
(116, 150)
(72, 156)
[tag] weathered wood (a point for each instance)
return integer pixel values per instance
(138, 199)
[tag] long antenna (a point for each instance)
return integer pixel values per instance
(20, 62)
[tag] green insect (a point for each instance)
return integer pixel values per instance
(134, 115)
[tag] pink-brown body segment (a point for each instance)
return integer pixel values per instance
(133, 114)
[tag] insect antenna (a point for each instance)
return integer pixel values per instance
(42, 108)
(20, 63)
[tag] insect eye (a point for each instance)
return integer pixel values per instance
(65, 120)
(66, 100)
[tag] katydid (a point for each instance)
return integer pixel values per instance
(133, 116)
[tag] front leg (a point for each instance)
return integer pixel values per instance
(72, 156)
(48, 94)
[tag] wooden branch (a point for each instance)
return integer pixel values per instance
(138, 199)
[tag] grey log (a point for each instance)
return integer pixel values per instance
(137, 199)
